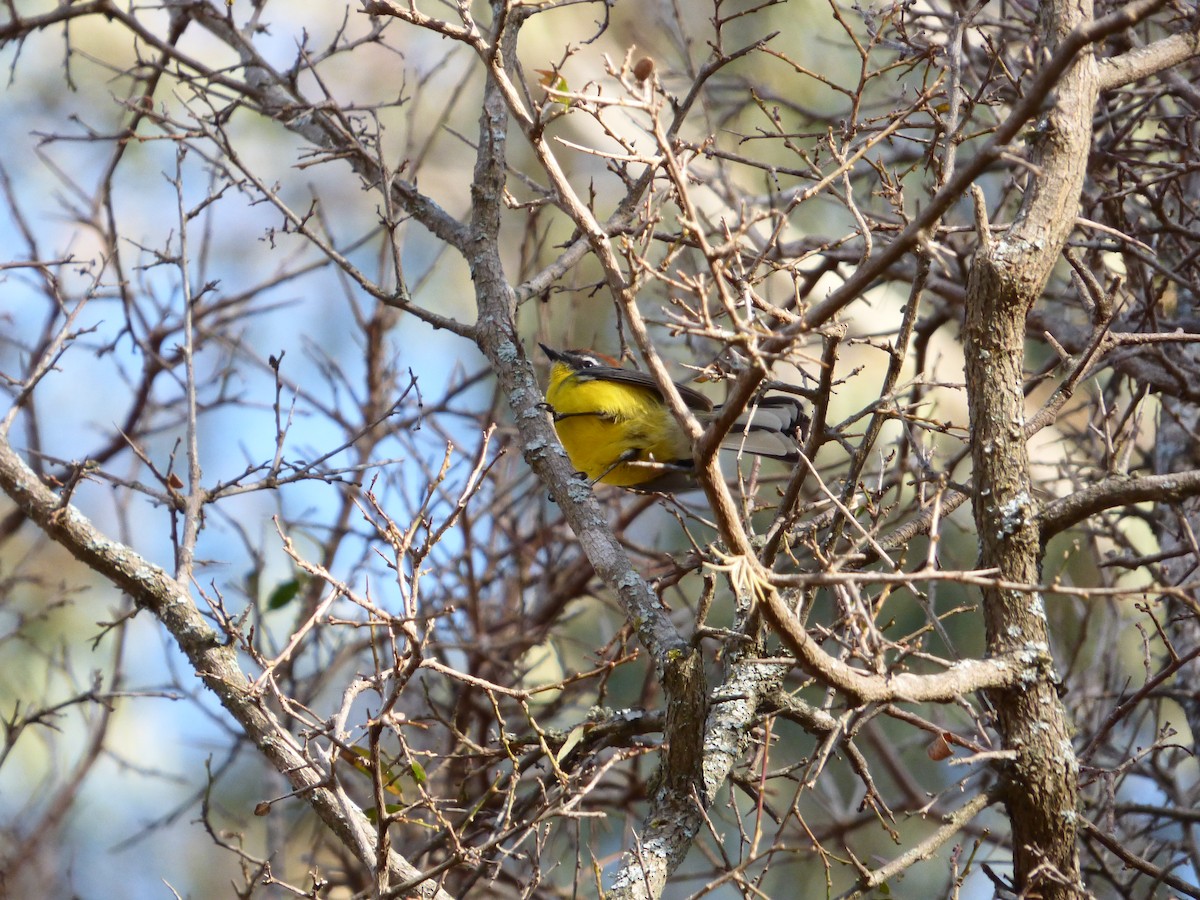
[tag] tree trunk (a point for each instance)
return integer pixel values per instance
(1008, 275)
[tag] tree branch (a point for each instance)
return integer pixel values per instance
(214, 661)
(1120, 490)
(1142, 62)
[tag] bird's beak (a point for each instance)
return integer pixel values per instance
(553, 355)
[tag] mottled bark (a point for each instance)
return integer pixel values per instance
(1008, 275)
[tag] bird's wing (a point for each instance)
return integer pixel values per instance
(771, 426)
(693, 398)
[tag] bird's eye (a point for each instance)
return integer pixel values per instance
(588, 362)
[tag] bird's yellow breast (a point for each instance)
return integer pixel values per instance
(601, 423)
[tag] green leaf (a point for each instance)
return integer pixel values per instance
(285, 592)
(373, 812)
(573, 739)
(554, 81)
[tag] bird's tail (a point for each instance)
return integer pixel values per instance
(772, 427)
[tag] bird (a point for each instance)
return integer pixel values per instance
(618, 429)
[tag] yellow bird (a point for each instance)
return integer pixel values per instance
(617, 428)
